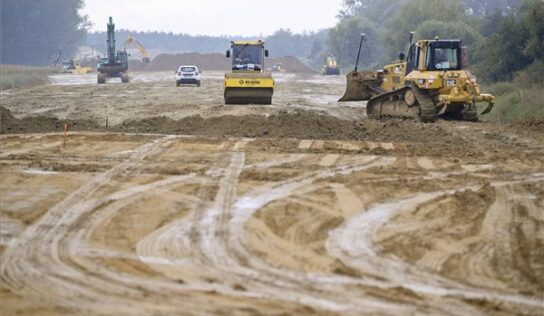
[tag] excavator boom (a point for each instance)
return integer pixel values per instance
(134, 42)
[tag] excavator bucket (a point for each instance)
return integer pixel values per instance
(361, 86)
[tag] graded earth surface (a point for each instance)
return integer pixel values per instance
(160, 200)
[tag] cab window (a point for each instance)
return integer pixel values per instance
(443, 58)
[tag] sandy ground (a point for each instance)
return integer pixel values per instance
(416, 219)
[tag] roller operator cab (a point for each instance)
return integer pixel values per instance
(248, 83)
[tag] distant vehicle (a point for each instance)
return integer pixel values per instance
(188, 75)
(277, 68)
(331, 67)
(68, 66)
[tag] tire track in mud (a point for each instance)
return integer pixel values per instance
(221, 249)
(352, 244)
(487, 263)
(40, 263)
(205, 251)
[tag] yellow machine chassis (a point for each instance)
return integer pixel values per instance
(248, 88)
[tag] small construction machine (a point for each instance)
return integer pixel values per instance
(116, 64)
(143, 51)
(277, 68)
(331, 67)
(431, 82)
(75, 66)
(248, 83)
(81, 68)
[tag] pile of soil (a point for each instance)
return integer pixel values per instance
(39, 124)
(294, 124)
(290, 64)
(297, 123)
(168, 62)
(533, 124)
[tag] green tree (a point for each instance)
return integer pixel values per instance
(33, 31)
(533, 13)
(413, 14)
(344, 40)
(517, 44)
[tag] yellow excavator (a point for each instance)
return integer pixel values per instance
(135, 43)
(432, 82)
(248, 83)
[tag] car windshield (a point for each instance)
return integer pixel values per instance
(247, 57)
(444, 58)
(187, 69)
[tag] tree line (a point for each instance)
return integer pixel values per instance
(503, 36)
(282, 43)
(32, 32)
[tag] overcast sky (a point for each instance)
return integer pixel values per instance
(214, 17)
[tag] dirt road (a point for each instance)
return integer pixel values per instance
(371, 218)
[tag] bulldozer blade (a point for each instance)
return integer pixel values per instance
(361, 86)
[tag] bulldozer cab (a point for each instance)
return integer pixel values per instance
(436, 55)
(247, 56)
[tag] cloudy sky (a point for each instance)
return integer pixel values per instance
(214, 17)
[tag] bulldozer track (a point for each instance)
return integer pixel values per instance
(427, 109)
(392, 104)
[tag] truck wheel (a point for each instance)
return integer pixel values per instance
(101, 78)
(124, 78)
(198, 83)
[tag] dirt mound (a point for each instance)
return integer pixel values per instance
(288, 124)
(291, 64)
(39, 124)
(533, 124)
(166, 62)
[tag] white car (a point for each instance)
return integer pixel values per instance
(188, 75)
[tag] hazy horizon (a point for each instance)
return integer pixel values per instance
(214, 17)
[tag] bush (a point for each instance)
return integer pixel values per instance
(20, 76)
(516, 102)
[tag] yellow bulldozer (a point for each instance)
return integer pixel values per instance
(248, 83)
(431, 82)
(330, 68)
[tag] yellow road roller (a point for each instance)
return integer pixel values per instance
(248, 83)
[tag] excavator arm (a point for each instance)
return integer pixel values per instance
(135, 43)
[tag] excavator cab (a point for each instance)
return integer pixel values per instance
(248, 83)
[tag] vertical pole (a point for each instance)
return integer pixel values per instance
(359, 53)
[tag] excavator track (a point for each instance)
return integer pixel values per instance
(393, 104)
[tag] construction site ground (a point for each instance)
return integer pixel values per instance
(161, 201)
